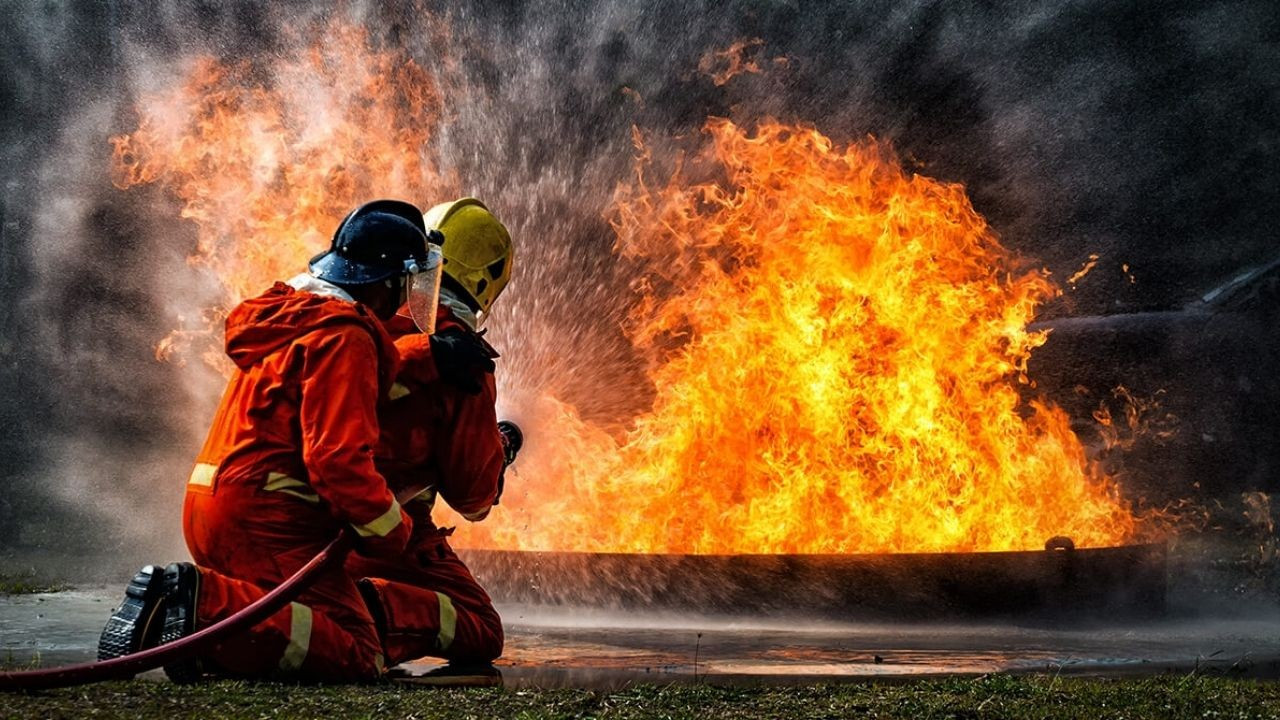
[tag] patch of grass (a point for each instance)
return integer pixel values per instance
(997, 696)
(26, 583)
(11, 662)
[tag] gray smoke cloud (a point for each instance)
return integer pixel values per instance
(1140, 131)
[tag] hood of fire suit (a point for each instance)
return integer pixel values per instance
(460, 309)
(265, 324)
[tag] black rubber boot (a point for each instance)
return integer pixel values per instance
(136, 623)
(181, 589)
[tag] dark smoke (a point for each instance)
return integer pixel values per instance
(1143, 131)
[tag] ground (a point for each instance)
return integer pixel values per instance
(994, 696)
(1203, 658)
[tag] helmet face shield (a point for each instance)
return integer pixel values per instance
(424, 289)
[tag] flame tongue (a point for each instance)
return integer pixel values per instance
(835, 345)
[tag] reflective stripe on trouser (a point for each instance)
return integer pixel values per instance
(247, 542)
(433, 608)
(448, 622)
(300, 619)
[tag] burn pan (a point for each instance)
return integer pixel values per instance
(1128, 581)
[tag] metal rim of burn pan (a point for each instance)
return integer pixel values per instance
(1128, 581)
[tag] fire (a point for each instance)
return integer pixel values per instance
(1085, 269)
(739, 58)
(723, 65)
(267, 163)
(835, 344)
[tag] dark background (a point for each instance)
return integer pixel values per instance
(1143, 131)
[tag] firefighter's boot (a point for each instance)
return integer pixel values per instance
(181, 588)
(136, 623)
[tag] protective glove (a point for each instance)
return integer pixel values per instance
(462, 358)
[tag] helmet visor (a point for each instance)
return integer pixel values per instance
(424, 289)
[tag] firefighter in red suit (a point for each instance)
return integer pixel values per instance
(289, 462)
(440, 432)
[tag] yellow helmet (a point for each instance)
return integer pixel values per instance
(477, 248)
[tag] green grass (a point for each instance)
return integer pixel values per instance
(995, 696)
(26, 583)
(14, 663)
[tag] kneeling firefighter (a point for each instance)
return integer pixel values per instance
(440, 430)
(289, 462)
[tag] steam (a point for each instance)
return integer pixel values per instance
(1078, 128)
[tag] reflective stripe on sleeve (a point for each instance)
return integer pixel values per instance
(299, 637)
(448, 622)
(203, 475)
(381, 525)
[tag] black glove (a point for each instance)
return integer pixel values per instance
(462, 358)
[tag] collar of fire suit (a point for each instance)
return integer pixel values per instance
(459, 309)
(306, 282)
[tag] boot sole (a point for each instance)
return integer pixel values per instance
(133, 624)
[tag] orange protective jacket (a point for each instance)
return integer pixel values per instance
(437, 436)
(300, 413)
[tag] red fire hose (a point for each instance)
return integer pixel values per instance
(129, 665)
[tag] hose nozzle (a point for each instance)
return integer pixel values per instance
(512, 440)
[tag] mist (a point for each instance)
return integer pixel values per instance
(1143, 132)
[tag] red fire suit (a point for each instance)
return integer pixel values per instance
(435, 435)
(288, 462)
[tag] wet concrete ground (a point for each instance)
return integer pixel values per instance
(553, 648)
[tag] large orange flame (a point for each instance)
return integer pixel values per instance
(266, 164)
(835, 343)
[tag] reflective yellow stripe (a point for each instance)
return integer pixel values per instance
(448, 622)
(381, 525)
(203, 475)
(299, 637)
(279, 482)
(477, 516)
(397, 391)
